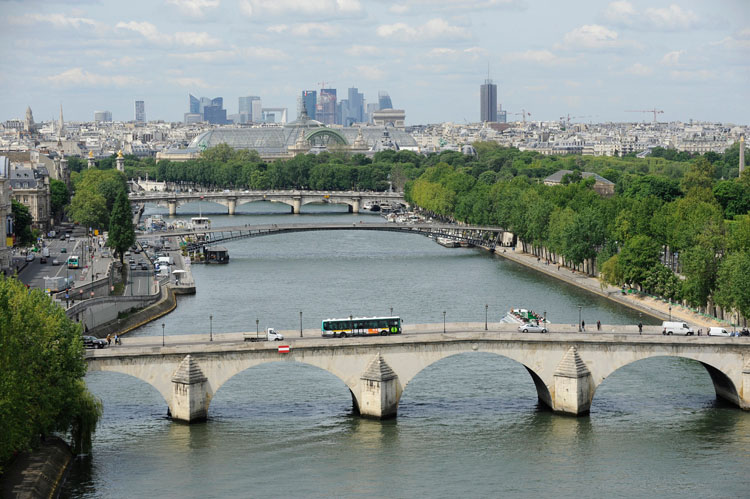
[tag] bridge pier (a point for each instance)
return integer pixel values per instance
(232, 205)
(354, 207)
(744, 398)
(172, 205)
(296, 205)
(573, 385)
(189, 392)
(380, 390)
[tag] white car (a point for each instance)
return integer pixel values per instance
(532, 327)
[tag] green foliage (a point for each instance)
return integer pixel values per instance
(121, 232)
(41, 387)
(638, 257)
(95, 194)
(22, 223)
(733, 283)
(59, 195)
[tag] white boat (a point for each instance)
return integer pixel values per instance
(447, 242)
(200, 223)
(522, 316)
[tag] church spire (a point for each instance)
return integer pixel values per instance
(61, 126)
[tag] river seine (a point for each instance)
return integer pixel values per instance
(467, 426)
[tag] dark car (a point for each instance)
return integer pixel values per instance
(43, 259)
(63, 250)
(94, 342)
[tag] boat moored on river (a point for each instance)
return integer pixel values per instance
(522, 316)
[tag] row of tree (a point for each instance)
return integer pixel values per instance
(41, 381)
(696, 225)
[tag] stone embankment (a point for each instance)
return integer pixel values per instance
(649, 306)
(37, 474)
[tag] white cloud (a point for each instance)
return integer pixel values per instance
(57, 20)
(125, 60)
(305, 8)
(639, 69)
(77, 77)
(671, 18)
(432, 29)
(462, 5)
(398, 9)
(152, 34)
(195, 8)
(471, 53)
(672, 58)
(540, 57)
(740, 40)
(595, 37)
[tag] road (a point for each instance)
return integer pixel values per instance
(34, 273)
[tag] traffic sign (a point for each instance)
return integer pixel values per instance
(283, 348)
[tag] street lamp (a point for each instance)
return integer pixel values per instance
(486, 308)
(211, 327)
(579, 318)
(300, 323)
(256, 327)
(162, 334)
(391, 311)
(443, 321)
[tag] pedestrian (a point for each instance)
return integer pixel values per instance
(640, 328)
(109, 339)
(583, 326)
(117, 340)
(598, 325)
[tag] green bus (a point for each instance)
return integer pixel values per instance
(361, 326)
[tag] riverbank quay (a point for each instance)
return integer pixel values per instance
(653, 307)
(38, 473)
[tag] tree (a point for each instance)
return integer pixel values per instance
(89, 210)
(60, 196)
(638, 257)
(121, 232)
(41, 381)
(733, 283)
(22, 223)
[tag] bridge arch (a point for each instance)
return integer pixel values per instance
(149, 377)
(326, 137)
(725, 379)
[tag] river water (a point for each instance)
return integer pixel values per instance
(467, 426)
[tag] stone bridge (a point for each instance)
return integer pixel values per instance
(565, 368)
(295, 198)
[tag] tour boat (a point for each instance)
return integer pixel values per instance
(522, 316)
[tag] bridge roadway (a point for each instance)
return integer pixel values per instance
(294, 198)
(565, 366)
(485, 236)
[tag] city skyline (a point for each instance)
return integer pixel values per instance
(593, 61)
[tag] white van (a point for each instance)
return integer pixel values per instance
(718, 331)
(671, 327)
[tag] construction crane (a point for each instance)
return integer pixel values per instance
(523, 113)
(568, 117)
(323, 84)
(654, 110)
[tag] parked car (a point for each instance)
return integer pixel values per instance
(532, 327)
(30, 257)
(63, 250)
(132, 265)
(55, 261)
(94, 342)
(43, 259)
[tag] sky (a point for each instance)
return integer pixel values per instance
(592, 60)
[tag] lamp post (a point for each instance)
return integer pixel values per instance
(391, 311)
(443, 321)
(162, 334)
(486, 308)
(256, 328)
(579, 318)
(211, 327)
(670, 312)
(300, 323)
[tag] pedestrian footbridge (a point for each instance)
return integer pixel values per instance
(565, 368)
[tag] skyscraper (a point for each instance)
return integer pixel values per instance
(326, 108)
(245, 109)
(195, 104)
(352, 108)
(140, 111)
(100, 116)
(384, 100)
(215, 112)
(488, 101)
(310, 101)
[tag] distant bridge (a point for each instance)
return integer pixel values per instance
(476, 235)
(294, 198)
(566, 369)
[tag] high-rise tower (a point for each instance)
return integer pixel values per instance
(488, 101)
(140, 111)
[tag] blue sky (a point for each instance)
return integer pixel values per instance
(590, 59)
